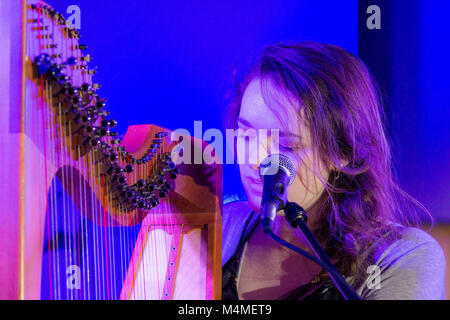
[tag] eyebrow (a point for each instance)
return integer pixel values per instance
(281, 133)
(245, 122)
(289, 135)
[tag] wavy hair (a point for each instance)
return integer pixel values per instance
(362, 206)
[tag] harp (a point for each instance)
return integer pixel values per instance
(86, 214)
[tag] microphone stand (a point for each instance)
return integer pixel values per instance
(297, 217)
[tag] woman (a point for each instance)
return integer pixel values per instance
(328, 112)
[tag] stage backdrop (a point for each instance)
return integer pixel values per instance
(170, 62)
(409, 56)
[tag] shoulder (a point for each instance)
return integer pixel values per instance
(235, 214)
(414, 245)
(412, 267)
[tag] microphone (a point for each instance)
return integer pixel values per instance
(278, 172)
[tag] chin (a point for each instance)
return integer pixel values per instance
(254, 202)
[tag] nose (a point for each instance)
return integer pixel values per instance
(255, 153)
(262, 154)
(256, 166)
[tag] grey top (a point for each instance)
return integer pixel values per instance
(411, 268)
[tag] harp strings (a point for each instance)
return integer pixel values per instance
(142, 239)
(107, 250)
(81, 232)
(44, 143)
(70, 208)
(73, 254)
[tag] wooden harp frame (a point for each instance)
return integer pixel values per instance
(196, 203)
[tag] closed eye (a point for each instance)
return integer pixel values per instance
(290, 149)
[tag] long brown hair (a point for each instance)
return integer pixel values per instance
(362, 203)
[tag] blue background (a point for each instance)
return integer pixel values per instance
(420, 101)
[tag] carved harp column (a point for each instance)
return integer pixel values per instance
(85, 214)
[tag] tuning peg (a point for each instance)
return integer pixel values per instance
(44, 62)
(91, 71)
(108, 123)
(35, 20)
(114, 170)
(85, 87)
(39, 28)
(172, 176)
(140, 183)
(129, 168)
(160, 181)
(86, 58)
(71, 61)
(62, 79)
(162, 194)
(49, 46)
(142, 205)
(45, 36)
(100, 132)
(130, 194)
(170, 165)
(79, 46)
(121, 180)
(100, 104)
(94, 142)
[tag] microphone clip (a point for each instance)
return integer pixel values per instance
(295, 214)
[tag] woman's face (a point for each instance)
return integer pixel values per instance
(255, 114)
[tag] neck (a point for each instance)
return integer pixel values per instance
(284, 230)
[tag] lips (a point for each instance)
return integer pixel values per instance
(256, 186)
(255, 181)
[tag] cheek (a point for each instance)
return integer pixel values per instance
(254, 201)
(240, 152)
(297, 192)
(307, 184)
(245, 171)
(252, 151)
(247, 150)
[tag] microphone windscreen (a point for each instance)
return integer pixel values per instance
(274, 162)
